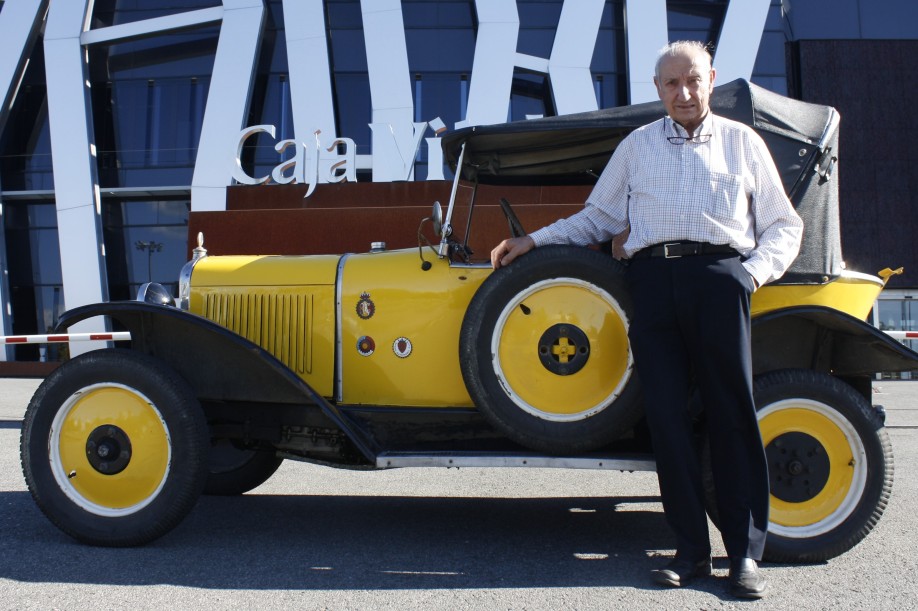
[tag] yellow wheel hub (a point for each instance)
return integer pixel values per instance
(816, 464)
(110, 449)
(560, 349)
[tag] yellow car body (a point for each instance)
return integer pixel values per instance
(296, 307)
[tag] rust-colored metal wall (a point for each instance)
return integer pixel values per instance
(277, 219)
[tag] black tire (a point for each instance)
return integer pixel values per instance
(233, 470)
(555, 299)
(830, 465)
(114, 447)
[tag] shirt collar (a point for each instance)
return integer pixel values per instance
(674, 129)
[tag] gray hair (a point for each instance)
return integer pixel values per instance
(682, 47)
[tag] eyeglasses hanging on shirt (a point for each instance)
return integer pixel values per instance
(697, 139)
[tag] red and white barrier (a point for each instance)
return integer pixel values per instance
(65, 337)
(902, 334)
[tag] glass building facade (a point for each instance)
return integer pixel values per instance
(149, 95)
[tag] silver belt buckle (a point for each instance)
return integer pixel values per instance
(666, 254)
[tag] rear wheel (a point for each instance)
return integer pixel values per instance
(235, 470)
(829, 461)
(544, 351)
(830, 464)
(113, 448)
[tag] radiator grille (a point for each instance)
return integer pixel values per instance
(280, 323)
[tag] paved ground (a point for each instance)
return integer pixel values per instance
(317, 538)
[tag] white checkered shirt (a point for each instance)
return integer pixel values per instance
(724, 191)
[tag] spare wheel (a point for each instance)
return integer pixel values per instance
(544, 351)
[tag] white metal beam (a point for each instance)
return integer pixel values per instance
(494, 62)
(73, 155)
(739, 40)
(228, 102)
(393, 132)
(646, 32)
(572, 54)
(310, 70)
(150, 27)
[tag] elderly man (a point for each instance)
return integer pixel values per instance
(707, 223)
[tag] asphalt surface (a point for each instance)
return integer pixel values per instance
(320, 538)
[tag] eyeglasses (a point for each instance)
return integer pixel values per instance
(699, 139)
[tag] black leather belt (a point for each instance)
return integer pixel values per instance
(674, 250)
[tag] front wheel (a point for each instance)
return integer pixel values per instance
(114, 447)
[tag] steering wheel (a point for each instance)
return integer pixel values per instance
(516, 228)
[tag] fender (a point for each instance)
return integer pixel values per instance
(218, 364)
(827, 340)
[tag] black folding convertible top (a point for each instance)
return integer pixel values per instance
(574, 149)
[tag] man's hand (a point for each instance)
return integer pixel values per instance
(618, 244)
(510, 249)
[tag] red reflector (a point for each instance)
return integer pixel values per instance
(58, 338)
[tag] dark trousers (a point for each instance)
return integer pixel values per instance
(691, 332)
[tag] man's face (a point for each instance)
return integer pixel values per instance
(684, 86)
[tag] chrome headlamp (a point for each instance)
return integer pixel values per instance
(155, 293)
(185, 277)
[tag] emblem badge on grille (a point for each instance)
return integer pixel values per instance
(401, 347)
(366, 346)
(365, 307)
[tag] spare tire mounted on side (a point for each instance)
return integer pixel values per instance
(544, 351)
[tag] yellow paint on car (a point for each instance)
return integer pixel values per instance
(424, 307)
(284, 304)
(852, 293)
(265, 270)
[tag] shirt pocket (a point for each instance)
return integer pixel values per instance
(727, 203)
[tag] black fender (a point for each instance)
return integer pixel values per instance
(218, 364)
(827, 340)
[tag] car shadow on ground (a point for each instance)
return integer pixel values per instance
(329, 542)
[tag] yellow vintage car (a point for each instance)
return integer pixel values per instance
(426, 357)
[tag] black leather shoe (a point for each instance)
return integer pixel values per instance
(746, 581)
(679, 572)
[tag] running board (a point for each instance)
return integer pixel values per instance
(391, 460)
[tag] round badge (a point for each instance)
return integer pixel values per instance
(365, 307)
(401, 347)
(366, 346)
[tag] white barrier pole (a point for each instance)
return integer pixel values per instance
(65, 337)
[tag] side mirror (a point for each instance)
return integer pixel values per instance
(436, 218)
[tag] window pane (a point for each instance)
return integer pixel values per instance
(145, 241)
